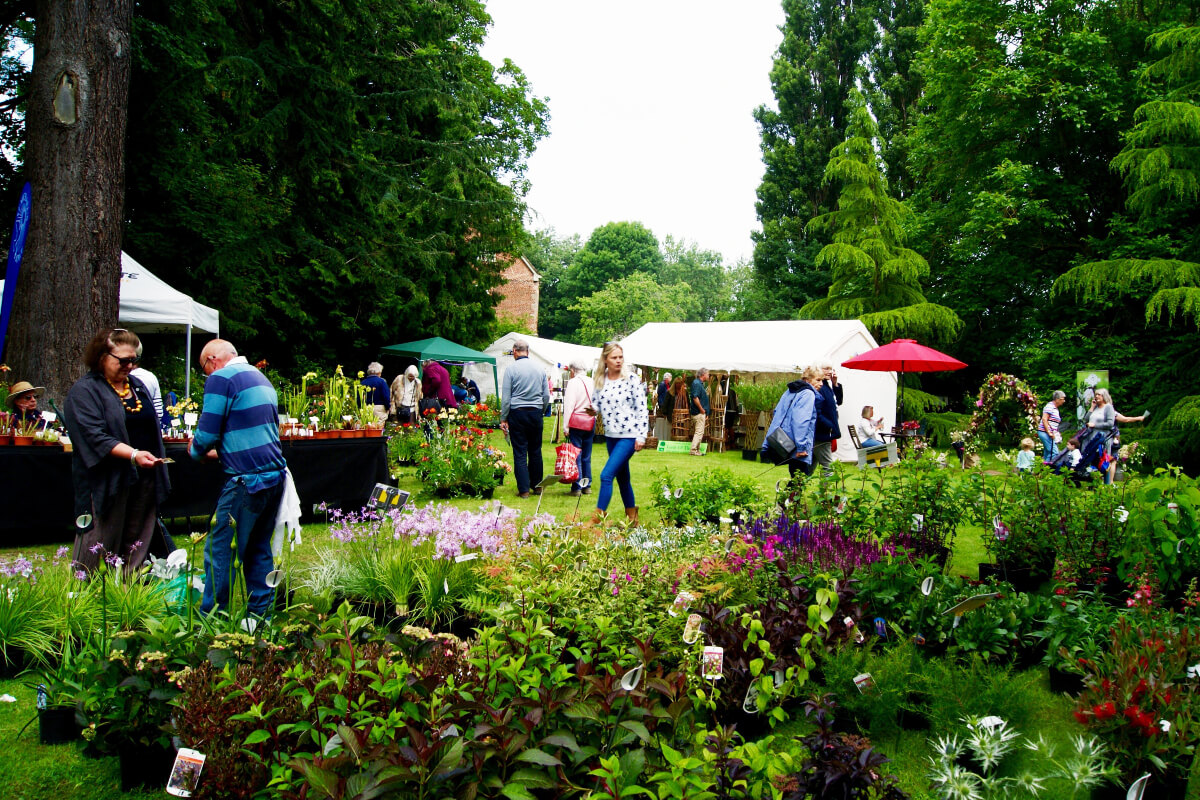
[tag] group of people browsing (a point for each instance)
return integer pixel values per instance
(120, 471)
(615, 395)
(808, 413)
(410, 394)
(1101, 420)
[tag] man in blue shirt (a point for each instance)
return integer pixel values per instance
(524, 397)
(698, 407)
(378, 393)
(239, 425)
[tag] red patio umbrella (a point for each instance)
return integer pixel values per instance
(904, 355)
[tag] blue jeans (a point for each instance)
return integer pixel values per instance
(583, 440)
(525, 431)
(872, 442)
(251, 517)
(1050, 451)
(617, 466)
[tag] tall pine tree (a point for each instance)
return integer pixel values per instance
(876, 279)
(816, 68)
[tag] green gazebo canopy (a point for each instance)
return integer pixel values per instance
(439, 349)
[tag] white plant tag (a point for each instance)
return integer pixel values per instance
(712, 662)
(185, 775)
(49, 416)
(176, 422)
(691, 629)
(314, 421)
(927, 586)
(465, 557)
(631, 679)
(190, 418)
(750, 703)
(347, 417)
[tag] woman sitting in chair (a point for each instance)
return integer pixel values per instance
(869, 428)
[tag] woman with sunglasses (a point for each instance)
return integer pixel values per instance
(117, 462)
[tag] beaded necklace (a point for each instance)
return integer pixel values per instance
(127, 393)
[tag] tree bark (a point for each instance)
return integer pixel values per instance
(75, 151)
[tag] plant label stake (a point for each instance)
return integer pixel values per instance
(387, 498)
(970, 604)
(918, 523)
(49, 416)
(691, 629)
(1138, 788)
(681, 603)
(999, 529)
(185, 775)
(880, 628)
(750, 703)
(465, 557)
(83, 521)
(549, 480)
(927, 586)
(41, 697)
(583, 484)
(864, 683)
(712, 662)
(631, 679)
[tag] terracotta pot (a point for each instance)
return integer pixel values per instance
(5, 438)
(23, 441)
(323, 434)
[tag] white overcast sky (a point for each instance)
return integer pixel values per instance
(650, 106)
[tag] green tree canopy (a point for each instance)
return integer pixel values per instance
(627, 304)
(875, 278)
(331, 177)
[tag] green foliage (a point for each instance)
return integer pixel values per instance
(760, 396)
(874, 277)
(816, 68)
(626, 304)
(337, 185)
(706, 497)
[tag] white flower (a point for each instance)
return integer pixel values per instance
(177, 558)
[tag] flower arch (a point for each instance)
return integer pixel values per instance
(997, 386)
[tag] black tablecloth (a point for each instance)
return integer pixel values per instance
(37, 500)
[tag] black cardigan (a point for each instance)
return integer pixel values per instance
(95, 418)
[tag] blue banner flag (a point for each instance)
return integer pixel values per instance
(16, 250)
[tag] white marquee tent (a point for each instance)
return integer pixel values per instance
(551, 355)
(772, 351)
(149, 305)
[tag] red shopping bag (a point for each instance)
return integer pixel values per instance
(566, 462)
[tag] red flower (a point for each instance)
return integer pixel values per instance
(1082, 717)
(1104, 711)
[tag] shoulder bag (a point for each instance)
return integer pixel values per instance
(580, 420)
(779, 445)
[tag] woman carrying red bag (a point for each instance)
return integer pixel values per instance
(581, 426)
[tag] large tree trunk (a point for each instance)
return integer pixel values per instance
(75, 152)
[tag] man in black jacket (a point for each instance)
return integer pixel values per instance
(828, 428)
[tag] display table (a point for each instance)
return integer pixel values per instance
(37, 501)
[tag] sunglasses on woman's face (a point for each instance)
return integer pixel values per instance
(129, 361)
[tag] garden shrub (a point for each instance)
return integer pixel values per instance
(706, 496)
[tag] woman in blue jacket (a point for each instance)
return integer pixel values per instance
(796, 414)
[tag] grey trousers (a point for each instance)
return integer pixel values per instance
(823, 455)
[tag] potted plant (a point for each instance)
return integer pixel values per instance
(458, 461)
(756, 399)
(125, 699)
(23, 433)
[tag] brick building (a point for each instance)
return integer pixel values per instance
(519, 293)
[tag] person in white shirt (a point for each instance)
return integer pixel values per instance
(621, 400)
(406, 395)
(869, 428)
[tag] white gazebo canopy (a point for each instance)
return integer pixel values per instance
(553, 356)
(772, 350)
(149, 305)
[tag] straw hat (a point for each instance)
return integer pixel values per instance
(23, 387)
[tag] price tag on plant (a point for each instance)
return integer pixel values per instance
(49, 416)
(293, 420)
(176, 422)
(347, 417)
(691, 629)
(712, 662)
(314, 421)
(918, 523)
(190, 418)
(999, 529)
(750, 703)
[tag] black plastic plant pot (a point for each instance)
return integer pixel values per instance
(749, 455)
(145, 767)
(57, 726)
